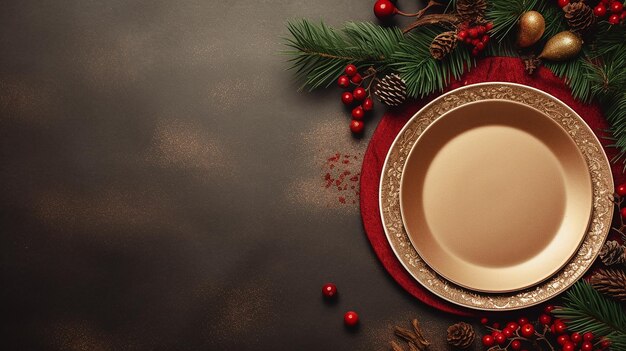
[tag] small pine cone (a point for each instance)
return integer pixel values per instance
(613, 253)
(461, 335)
(443, 44)
(611, 282)
(471, 10)
(579, 16)
(391, 90)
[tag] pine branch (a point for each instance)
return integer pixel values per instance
(578, 74)
(420, 71)
(319, 53)
(505, 13)
(586, 310)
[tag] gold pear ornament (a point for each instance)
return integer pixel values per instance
(562, 46)
(530, 29)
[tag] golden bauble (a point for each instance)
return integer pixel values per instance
(563, 46)
(530, 29)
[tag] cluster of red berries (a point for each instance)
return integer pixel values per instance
(358, 96)
(475, 36)
(616, 9)
(517, 334)
(350, 318)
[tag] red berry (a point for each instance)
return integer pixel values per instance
(368, 104)
(351, 318)
(605, 343)
(484, 320)
(576, 337)
(485, 39)
(343, 81)
(606, 2)
(622, 16)
(489, 26)
(495, 325)
(621, 190)
(614, 19)
(508, 333)
(475, 52)
(384, 9)
(462, 35)
(347, 98)
(527, 330)
(588, 336)
(562, 3)
(359, 93)
(522, 321)
(351, 70)
(499, 338)
(600, 10)
(358, 113)
(468, 40)
(549, 309)
(329, 290)
(488, 340)
(560, 327)
(512, 325)
(356, 79)
(562, 339)
(616, 7)
(552, 329)
(356, 127)
(473, 32)
(623, 212)
(516, 345)
(586, 346)
(569, 346)
(545, 319)
(480, 46)
(481, 30)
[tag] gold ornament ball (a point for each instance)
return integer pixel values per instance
(531, 28)
(563, 46)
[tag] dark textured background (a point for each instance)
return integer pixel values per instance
(161, 184)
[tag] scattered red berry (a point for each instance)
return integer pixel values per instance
(359, 94)
(485, 39)
(357, 126)
(480, 46)
(358, 113)
(495, 325)
(614, 19)
(368, 104)
(384, 9)
(351, 70)
(562, 339)
(549, 309)
(586, 346)
(508, 333)
(560, 327)
(484, 320)
(600, 10)
(512, 325)
(489, 26)
(545, 319)
(516, 345)
(351, 318)
(563, 3)
(329, 290)
(473, 32)
(623, 212)
(343, 81)
(462, 34)
(522, 321)
(488, 340)
(588, 336)
(616, 7)
(527, 330)
(576, 337)
(605, 343)
(621, 190)
(499, 338)
(569, 346)
(347, 98)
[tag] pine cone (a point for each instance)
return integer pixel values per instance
(461, 335)
(611, 282)
(391, 90)
(613, 253)
(471, 10)
(579, 16)
(443, 44)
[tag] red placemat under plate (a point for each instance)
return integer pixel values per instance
(500, 69)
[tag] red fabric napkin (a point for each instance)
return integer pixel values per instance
(502, 69)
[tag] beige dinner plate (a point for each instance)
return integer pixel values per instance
(495, 196)
(597, 165)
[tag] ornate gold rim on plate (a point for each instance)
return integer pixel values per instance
(587, 142)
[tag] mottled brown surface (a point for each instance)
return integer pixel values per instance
(162, 184)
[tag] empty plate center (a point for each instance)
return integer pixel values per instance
(503, 201)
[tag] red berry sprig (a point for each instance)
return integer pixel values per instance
(525, 335)
(613, 8)
(360, 95)
(475, 36)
